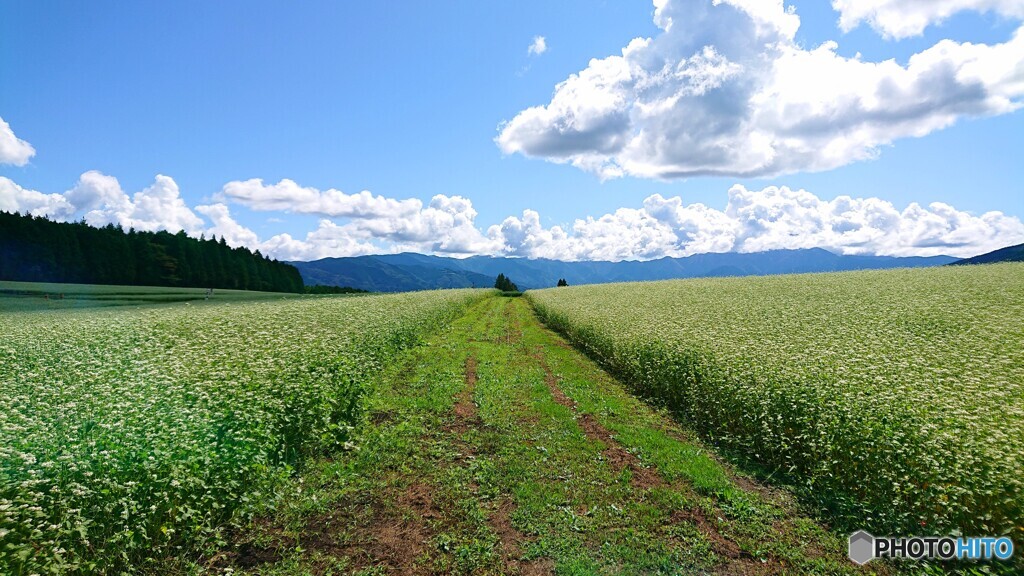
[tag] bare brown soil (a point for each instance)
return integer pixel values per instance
(466, 416)
(614, 453)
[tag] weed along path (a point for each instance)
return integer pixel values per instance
(496, 448)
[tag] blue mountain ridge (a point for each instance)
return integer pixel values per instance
(410, 271)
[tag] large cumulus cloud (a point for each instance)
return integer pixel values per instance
(726, 90)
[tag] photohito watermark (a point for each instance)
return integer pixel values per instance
(864, 547)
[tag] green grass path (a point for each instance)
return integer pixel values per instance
(495, 448)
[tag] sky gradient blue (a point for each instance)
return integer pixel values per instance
(403, 100)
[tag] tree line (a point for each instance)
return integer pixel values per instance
(35, 249)
(505, 284)
(321, 289)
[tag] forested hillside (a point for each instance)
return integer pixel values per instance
(1008, 254)
(40, 250)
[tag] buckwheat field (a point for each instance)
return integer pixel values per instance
(895, 398)
(136, 434)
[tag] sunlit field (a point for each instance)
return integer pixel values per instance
(136, 433)
(219, 433)
(894, 398)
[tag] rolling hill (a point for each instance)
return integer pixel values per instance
(1008, 254)
(377, 275)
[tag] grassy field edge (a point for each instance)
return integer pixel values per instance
(496, 448)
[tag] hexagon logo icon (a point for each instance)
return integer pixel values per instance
(862, 547)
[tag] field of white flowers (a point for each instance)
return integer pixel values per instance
(136, 434)
(896, 398)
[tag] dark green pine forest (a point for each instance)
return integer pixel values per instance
(34, 249)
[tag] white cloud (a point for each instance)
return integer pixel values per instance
(13, 150)
(446, 225)
(374, 223)
(905, 18)
(99, 199)
(14, 198)
(97, 191)
(288, 196)
(157, 207)
(782, 218)
(328, 241)
(627, 234)
(224, 226)
(538, 46)
(370, 224)
(759, 220)
(725, 90)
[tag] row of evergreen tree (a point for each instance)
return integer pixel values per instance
(35, 249)
(321, 289)
(505, 284)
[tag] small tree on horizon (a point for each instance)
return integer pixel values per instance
(562, 282)
(504, 284)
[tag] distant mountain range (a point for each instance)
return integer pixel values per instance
(408, 271)
(1008, 254)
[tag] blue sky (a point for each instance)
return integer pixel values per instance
(407, 100)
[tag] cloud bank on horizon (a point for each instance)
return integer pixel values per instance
(752, 221)
(726, 90)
